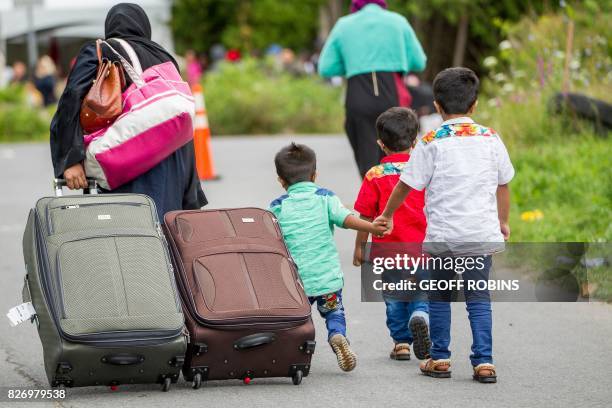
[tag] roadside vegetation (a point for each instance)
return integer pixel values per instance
(562, 191)
(19, 121)
(255, 97)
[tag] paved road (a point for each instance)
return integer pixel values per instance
(549, 355)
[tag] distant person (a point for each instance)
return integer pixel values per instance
(407, 318)
(307, 215)
(173, 183)
(372, 47)
(217, 55)
(464, 169)
(193, 67)
(45, 79)
(20, 73)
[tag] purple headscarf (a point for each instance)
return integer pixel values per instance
(357, 5)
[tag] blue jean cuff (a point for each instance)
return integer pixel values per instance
(481, 361)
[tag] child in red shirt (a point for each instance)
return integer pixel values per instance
(397, 130)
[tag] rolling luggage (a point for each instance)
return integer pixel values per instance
(99, 276)
(244, 304)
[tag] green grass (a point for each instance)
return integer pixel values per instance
(570, 183)
(562, 169)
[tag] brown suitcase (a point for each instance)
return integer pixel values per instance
(244, 304)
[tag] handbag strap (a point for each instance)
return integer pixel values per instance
(99, 52)
(131, 53)
(134, 75)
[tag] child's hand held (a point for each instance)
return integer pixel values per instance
(385, 223)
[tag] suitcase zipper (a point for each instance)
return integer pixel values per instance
(77, 206)
(162, 236)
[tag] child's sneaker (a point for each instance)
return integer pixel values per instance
(347, 360)
(401, 351)
(420, 333)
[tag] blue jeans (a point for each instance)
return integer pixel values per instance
(331, 309)
(398, 317)
(479, 313)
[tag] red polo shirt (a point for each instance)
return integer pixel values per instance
(409, 220)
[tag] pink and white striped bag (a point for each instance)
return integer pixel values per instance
(156, 120)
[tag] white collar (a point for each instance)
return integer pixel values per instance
(463, 119)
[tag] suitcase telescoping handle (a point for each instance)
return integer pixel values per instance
(254, 340)
(58, 184)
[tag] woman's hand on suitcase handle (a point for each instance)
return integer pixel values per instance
(75, 177)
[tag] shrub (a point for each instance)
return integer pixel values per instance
(533, 56)
(13, 94)
(252, 98)
(18, 122)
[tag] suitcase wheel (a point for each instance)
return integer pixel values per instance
(166, 384)
(197, 381)
(297, 377)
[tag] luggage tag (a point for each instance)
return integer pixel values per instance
(21, 313)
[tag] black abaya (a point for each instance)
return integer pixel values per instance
(367, 96)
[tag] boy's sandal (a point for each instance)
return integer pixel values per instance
(485, 373)
(436, 368)
(401, 351)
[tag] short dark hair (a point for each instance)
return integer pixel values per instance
(295, 163)
(456, 89)
(397, 128)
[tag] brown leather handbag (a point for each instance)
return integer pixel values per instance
(102, 104)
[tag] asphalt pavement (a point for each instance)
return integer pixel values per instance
(547, 354)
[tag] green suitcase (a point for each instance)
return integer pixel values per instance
(99, 276)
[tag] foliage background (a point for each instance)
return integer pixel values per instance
(19, 121)
(247, 25)
(254, 97)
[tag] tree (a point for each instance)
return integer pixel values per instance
(474, 27)
(198, 24)
(248, 25)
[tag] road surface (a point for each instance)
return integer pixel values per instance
(548, 355)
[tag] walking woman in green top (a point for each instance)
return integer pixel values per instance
(373, 48)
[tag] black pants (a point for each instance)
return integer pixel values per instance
(367, 96)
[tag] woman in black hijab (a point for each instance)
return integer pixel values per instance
(173, 184)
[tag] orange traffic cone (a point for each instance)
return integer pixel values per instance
(201, 137)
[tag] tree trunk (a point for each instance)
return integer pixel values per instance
(329, 13)
(461, 41)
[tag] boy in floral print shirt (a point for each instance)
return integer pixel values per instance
(407, 317)
(465, 169)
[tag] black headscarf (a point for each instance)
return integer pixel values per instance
(129, 22)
